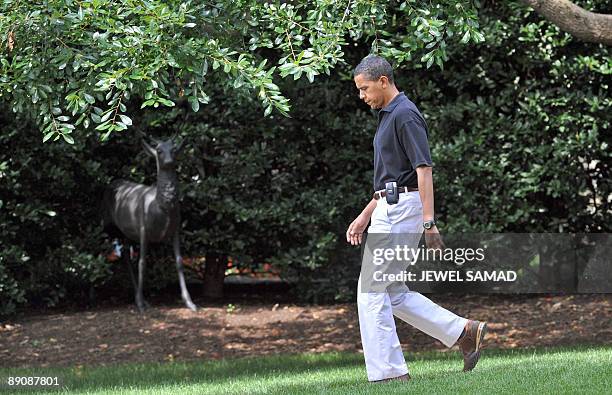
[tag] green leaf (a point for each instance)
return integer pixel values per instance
(107, 116)
(166, 102)
(430, 62)
(103, 126)
(125, 119)
(478, 37)
(89, 98)
(68, 138)
(195, 104)
(105, 136)
(48, 136)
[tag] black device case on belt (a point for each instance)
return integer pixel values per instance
(392, 194)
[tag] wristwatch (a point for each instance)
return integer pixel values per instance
(429, 224)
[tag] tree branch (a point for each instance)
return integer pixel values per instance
(580, 23)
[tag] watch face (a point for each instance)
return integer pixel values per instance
(427, 225)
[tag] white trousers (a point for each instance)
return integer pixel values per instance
(381, 346)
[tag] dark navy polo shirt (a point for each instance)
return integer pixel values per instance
(400, 144)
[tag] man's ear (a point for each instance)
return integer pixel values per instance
(384, 80)
(179, 147)
(148, 149)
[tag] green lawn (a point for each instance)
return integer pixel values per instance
(542, 371)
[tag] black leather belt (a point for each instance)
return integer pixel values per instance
(382, 194)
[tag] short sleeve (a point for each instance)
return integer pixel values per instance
(413, 138)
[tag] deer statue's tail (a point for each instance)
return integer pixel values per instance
(107, 205)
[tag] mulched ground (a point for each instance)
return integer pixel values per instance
(111, 335)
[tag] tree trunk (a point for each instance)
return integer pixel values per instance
(558, 260)
(580, 23)
(214, 274)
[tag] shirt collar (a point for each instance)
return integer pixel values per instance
(400, 97)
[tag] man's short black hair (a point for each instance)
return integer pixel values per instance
(374, 67)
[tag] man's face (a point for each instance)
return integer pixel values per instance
(372, 92)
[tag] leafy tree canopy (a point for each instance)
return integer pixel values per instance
(75, 64)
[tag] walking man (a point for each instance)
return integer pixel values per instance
(401, 155)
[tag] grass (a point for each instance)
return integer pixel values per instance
(543, 371)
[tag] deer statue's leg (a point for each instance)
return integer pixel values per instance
(128, 260)
(179, 267)
(140, 302)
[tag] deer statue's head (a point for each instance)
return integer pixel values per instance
(164, 152)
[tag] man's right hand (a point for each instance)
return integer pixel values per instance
(354, 234)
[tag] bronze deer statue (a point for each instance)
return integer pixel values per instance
(149, 214)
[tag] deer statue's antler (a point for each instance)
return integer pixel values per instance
(179, 145)
(152, 140)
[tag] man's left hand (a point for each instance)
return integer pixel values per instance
(433, 239)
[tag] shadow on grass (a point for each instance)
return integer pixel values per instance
(140, 377)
